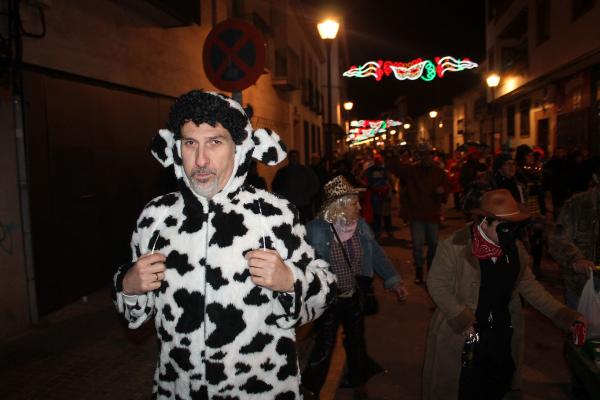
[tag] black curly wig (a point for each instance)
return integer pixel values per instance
(200, 107)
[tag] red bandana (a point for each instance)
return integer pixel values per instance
(481, 248)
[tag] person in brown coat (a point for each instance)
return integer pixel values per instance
(426, 188)
(477, 276)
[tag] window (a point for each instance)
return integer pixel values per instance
(460, 126)
(510, 121)
(281, 62)
(306, 143)
(524, 111)
(237, 8)
(479, 108)
(542, 15)
(516, 56)
(319, 140)
(580, 7)
(302, 64)
(497, 8)
(576, 99)
(186, 11)
(491, 60)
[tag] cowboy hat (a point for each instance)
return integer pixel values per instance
(338, 187)
(500, 204)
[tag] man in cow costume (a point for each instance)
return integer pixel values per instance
(223, 267)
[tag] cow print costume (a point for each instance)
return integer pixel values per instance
(221, 336)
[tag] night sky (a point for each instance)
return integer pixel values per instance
(400, 30)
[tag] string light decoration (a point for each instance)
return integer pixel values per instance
(365, 129)
(419, 68)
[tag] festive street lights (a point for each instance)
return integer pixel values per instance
(433, 115)
(492, 81)
(328, 31)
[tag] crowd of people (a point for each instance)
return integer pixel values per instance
(228, 269)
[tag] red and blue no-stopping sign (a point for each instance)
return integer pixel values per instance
(234, 55)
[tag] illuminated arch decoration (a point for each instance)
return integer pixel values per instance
(426, 70)
(365, 129)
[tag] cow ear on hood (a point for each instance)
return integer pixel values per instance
(268, 147)
(162, 147)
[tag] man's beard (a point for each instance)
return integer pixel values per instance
(210, 188)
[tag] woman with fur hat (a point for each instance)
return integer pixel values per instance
(342, 238)
(477, 278)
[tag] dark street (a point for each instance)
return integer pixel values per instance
(84, 351)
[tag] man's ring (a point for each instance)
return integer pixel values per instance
(157, 279)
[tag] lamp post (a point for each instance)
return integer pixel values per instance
(328, 31)
(407, 137)
(348, 105)
(433, 115)
(492, 81)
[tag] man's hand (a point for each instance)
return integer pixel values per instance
(400, 292)
(268, 270)
(582, 266)
(146, 274)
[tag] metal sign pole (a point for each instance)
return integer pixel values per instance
(237, 96)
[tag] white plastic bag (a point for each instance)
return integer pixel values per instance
(589, 306)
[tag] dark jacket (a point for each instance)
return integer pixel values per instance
(421, 202)
(320, 236)
(575, 236)
(297, 183)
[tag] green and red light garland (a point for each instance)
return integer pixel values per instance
(413, 70)
(364, 129)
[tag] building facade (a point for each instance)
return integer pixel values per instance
(436, 129)
(547, 53)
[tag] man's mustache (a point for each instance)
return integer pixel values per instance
(203, 171)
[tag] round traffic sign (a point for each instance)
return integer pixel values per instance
(234, 55)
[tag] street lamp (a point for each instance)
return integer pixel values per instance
(492, 81)
(433, 115)
(328, 31)
(348, 107)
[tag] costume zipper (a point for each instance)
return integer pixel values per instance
(203, 359)
(155, 229)
(262, 225)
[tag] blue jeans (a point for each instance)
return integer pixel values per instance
(420, 232)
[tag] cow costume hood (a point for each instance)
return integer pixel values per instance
(221, 336)
(262, 144)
